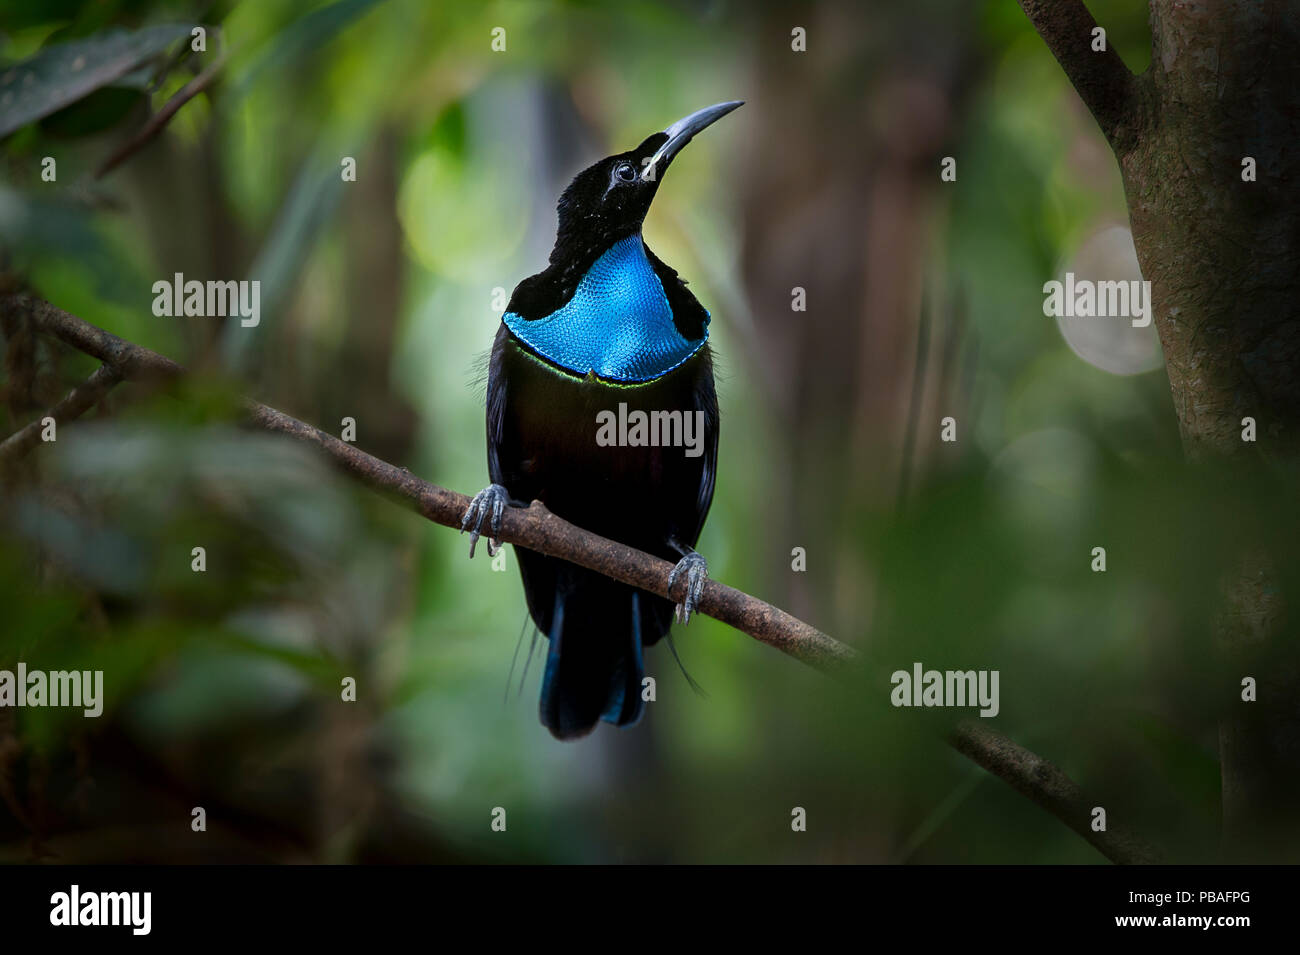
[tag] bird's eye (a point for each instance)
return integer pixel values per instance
(624, 172)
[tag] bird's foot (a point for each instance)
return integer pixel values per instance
(696, 569)
(491, 500)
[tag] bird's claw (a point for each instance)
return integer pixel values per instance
(491, 500)
(696, 569)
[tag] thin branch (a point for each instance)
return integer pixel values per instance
(135, 363)
(80, 400)
(161, 118)
(1107, 87)
(537, 529)
(1042, 782)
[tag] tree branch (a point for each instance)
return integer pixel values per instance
(537, 529)
(1103, 82)
(80, 400)
(1042, 782)
(161, 118)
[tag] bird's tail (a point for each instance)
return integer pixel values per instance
(593, 665)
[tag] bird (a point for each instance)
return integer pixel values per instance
(607, 327)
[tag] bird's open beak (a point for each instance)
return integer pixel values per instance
(680, 133)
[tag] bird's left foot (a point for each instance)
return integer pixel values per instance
(492, 500)
(696, 570)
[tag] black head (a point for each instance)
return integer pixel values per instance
(608, 201)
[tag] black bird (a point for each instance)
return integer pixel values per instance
(606, 324)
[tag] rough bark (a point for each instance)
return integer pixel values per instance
(1222, 254)
(1223, 257)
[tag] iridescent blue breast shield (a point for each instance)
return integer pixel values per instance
(618, 323)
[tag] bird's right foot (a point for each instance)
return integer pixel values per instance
(492, 500)
(696, 570)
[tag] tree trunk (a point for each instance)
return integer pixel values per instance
(1223, 256)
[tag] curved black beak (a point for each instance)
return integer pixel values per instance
(680, 133)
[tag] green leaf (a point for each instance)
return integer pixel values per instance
(103, 109)
(64, 73)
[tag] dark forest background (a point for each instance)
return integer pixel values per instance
(924, 301)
